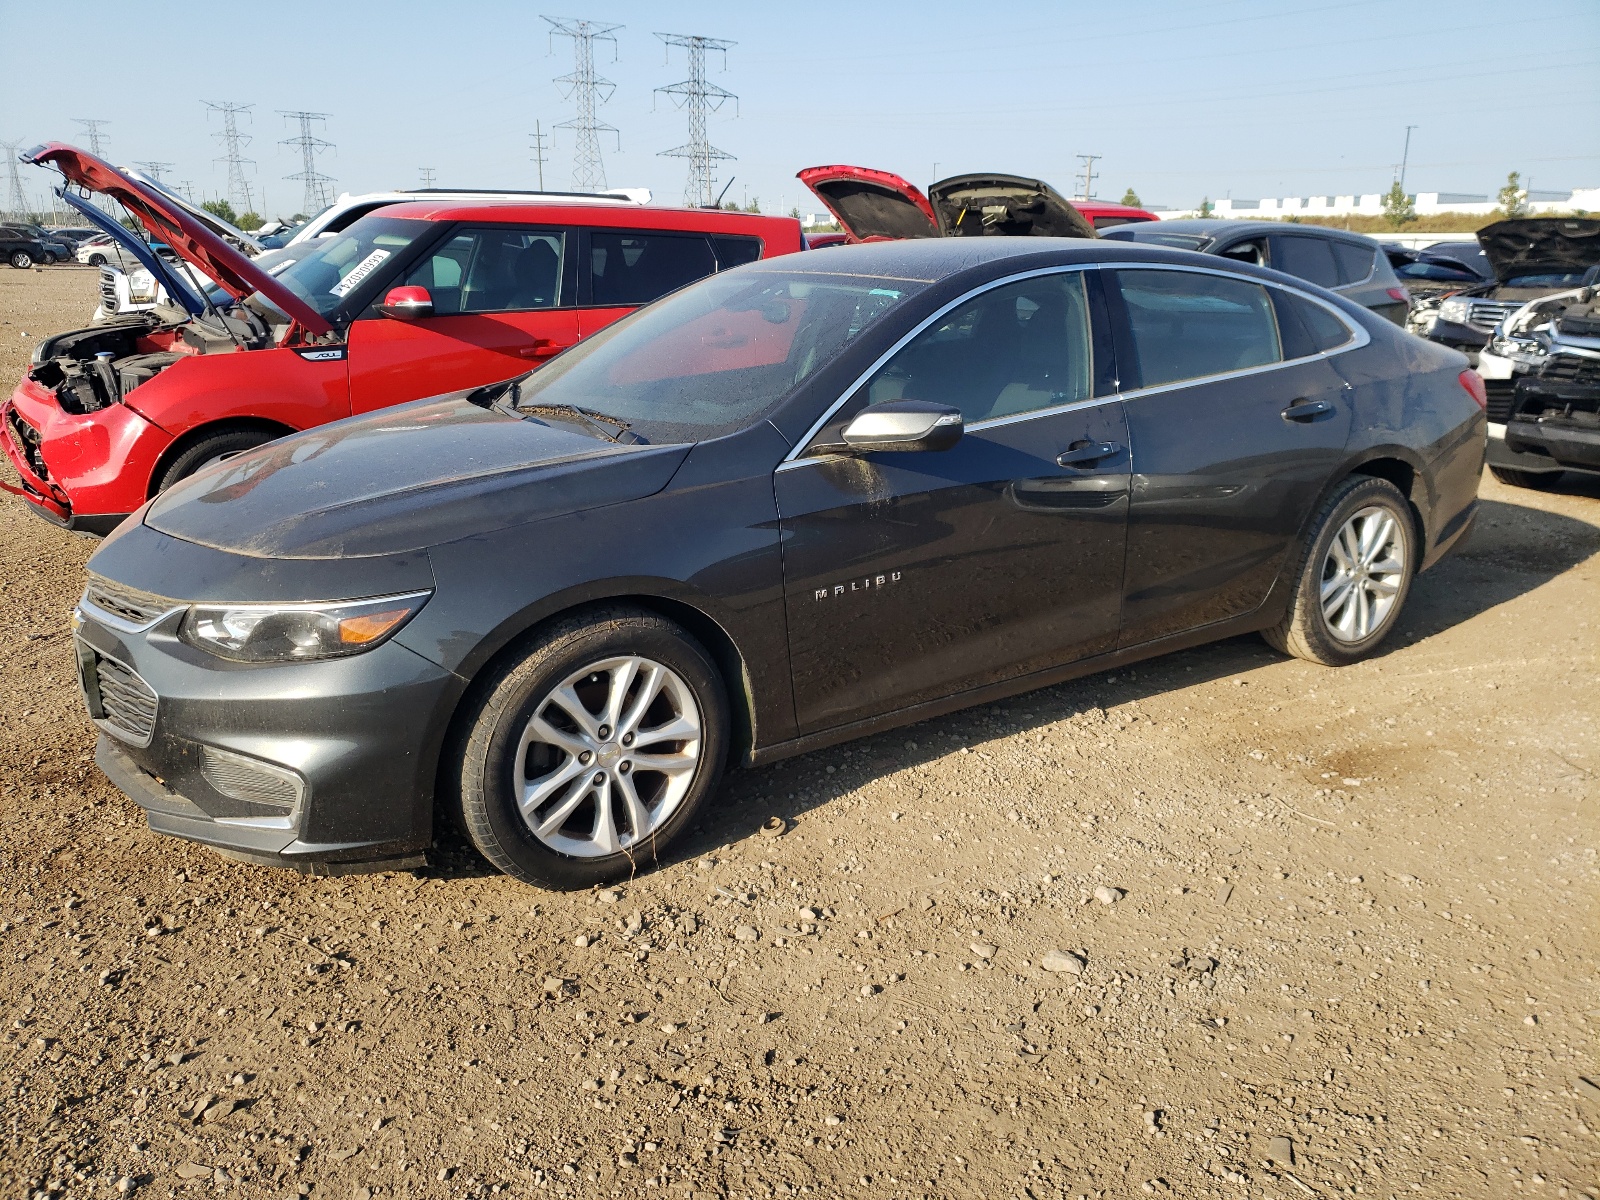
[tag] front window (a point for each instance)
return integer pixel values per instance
(712, 358)
(494, 270)
(333, 270)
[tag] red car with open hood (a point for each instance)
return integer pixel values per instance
(416, 300)
(872, 205)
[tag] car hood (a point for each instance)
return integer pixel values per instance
(402, 479)
(176, 286)
(994, 205)
(172, 223)
(871, 205)
(1526, 245)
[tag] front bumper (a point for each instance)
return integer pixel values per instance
(83, 471)
(359, 734)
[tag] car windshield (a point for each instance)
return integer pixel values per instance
(1151, 231)
(1548, 279)
(333, 269)
(713, 357)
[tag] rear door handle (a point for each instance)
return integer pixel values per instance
(1093, 452)
(1307, 410)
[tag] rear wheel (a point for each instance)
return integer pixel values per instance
(47, 259)
(211, 449)
(585, 758)
(1355, 573)
(1539, 481)
(21, 260)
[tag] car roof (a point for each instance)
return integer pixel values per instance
(1217, 226)
(706, 220)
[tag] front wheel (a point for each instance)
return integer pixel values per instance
(21, 260)
(97, 260)
(225, 443)
(586, 757)
(1354, 575)
(1539, 481)
(48, 259)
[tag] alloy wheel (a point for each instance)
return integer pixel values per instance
(1363, 573)
(608, 756)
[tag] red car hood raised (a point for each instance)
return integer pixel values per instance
(874, 205)
(166, 222)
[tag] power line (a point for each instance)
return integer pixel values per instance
(1086, 179)
(17, 200)
(316, 196)
(91, 126)
(1405, 157)
(427, 176)
(700, 97)
(234, 143)
(538, 148)
(588, 90)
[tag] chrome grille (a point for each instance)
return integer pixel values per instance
(1571, 368)
(127, 702)
(1501, 393)
(135, 607)
(242, 778)
(108, 289)
(1486, 314)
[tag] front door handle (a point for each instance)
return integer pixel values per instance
(1088, 453)
(1307, 410)
(541, 348)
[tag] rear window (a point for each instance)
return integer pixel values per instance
(1355, 262)
(1188, 325)
(1306, 327)
(636, 268)
(735, 251)
(1309, 258)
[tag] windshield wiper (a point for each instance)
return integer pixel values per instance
(596, 421)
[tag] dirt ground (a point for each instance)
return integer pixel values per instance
(1354, 949)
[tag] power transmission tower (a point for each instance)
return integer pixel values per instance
(187, 188)
(1086, 179)
(234, 143)
(154, 169)
(16, 202)
(588, 90)
(538, 148)
(91, 126)
(316, 184)
(700, 97)
(427, 176)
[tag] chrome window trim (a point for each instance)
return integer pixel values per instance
(1359, 338)
(795, 454)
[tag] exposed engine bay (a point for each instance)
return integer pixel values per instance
(91, 369)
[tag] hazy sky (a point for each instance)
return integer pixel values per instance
(1181, 99)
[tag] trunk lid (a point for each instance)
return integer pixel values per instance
(1004, 205)
(172, 223)
(1528, 245)
(871, 205)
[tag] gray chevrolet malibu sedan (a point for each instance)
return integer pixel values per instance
(792, 504)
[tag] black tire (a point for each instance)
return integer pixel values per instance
(97, 260)
(21, 260)
(47, 259)
(208, 449)
(1539, 481)
(1306, 631)
(491, 763)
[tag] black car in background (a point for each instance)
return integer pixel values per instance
(1427, 273)
(790, 505)
(1348, 263)
(24, 246)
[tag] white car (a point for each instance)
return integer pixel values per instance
(348, 209)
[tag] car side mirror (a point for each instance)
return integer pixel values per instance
(407, 303)
(904, 425)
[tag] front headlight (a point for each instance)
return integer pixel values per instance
(1454, 311)
(298, 632)
(1522, 350)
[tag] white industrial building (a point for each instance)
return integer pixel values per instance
(1371, 205)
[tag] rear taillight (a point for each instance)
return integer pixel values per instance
(1473, 382)
(1400, 294)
